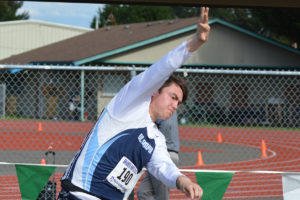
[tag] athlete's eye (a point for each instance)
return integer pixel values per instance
(174, 97)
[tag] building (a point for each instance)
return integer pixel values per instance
(20, 36)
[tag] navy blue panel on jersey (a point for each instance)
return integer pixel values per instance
(135, 145)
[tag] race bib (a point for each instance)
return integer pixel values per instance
(123, 176)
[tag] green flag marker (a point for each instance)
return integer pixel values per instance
(214, 184)
(32, 179)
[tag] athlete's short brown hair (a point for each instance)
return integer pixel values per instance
(178, 81)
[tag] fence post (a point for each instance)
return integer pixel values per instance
(132, 72)
(82, 97)
(2, 99)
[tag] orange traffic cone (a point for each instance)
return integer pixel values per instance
(220, 140)
(263, 149)
(43, 161)
(40, 126)
(200, 160)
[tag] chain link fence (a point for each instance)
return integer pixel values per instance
(227, 116)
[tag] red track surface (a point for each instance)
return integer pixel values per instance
(24, 135)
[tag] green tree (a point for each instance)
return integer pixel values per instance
(8, 11)
(124, 14)
(184, 12)
(279, 24)
(241, 17)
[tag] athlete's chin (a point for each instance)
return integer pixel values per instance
(167, 115)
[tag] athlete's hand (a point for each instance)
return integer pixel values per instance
(203, 27)
(202, 33)
(190, 189)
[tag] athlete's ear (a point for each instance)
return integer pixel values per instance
(155, 94)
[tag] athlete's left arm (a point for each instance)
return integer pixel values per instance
(161, 166)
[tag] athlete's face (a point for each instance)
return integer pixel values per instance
(164, 104)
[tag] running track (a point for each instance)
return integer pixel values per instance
(65, 136)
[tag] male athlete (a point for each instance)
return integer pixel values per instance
(125, 138)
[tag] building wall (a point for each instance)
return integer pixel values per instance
(20, 36)
(225, 46)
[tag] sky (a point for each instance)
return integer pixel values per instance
(73, 14)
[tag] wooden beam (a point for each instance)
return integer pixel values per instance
(211, 3)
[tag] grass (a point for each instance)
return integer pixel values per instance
(14, 117)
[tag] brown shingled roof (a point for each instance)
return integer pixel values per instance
(99, 41)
